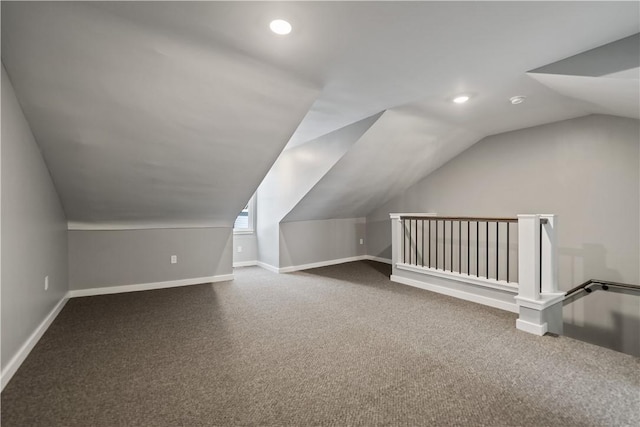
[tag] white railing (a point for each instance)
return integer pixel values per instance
(481, 254)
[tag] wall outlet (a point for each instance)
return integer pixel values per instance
(174, 259)
(46, 283)
(239, 248)
(362, 241)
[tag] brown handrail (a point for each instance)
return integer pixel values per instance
(459, 218)
(465, 218)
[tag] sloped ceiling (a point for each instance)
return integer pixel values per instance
(607, 77)
(299, 169)
(355, 185)
(173, 112)
(409, 142)
(139, 128)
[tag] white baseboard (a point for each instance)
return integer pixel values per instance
(269, 267)
(245, 263)
(378, 259)
(300, 267)
(467, 296)
(17, 360)
(320, 264)
(532, 328)
(148, 286)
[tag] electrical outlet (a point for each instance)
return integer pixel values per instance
(362, 241)
(46, 283)
(174, 259)
(239, 248)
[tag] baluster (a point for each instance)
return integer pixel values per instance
(422, 229)
(478, 248)
(508, 250)
(451, 246)
(486, 224)
(416, 242)
(497, 251)
(469, 248)
(436, 244)
(404, 238)
(429, 231)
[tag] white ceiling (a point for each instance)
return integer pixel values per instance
(607, 78)
(140, 128)
(173, 112)
(354, 187)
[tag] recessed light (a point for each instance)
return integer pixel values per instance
(280, 26)
(461, 99)
(517, 99)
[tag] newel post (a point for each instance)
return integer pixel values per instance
(396, 240)
(539, 302)
(528, 259)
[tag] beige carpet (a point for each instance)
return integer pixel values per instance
(333, 346)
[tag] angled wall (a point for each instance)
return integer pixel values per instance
(295, 172)
(586, 170)
(399, 149)
(34, 235)
(304, 244)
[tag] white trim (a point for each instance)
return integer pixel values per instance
(546, 300)
(148, 286)
(467, 296)
(243, 231)
(378, 259)
(245, 263)
(452, 275)
(20, 356)
(293, 268)
(268, 267)
(531, 328)
(300, 267)
(320, 264)
(398, 215)
(113, 226)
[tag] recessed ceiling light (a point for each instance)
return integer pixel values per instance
(517, 99)
(461, 99)
(280, 26)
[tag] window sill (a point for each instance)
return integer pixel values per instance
(243, 231)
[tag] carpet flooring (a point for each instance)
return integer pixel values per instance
(334, 346)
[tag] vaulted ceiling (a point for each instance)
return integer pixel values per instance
(173, 112)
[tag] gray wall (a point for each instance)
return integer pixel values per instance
(249, 245)
(307, 242)
(295, 172)
(130, 257)
(586, 170)
(34, 231)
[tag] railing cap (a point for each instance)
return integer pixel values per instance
(398, 215)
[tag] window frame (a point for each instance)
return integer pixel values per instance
(251, 217)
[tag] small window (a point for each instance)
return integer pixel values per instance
(245, 220)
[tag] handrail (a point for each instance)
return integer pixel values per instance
(464, 218)
(605, 286)
(459, 218)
